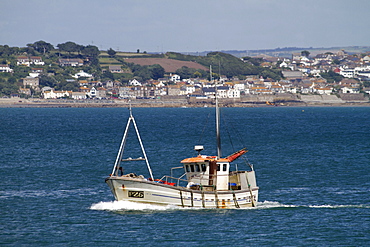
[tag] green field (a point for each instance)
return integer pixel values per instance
(104, 61)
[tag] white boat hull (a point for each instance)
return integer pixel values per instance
(144, 191)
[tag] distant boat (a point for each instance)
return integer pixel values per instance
(206, 182)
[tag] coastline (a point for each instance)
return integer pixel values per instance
(42, 103)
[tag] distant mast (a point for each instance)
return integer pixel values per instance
(218, 137)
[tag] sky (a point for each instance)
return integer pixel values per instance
(186, 26)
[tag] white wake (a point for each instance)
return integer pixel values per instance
(128, 206)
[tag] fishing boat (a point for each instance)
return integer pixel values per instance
(205, 182)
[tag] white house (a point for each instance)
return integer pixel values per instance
(348, 73)
(36, 60)
(175, 78)
(364, 73)
(115, 69)
(56, 94)
(135, 83)
(306, 89)
(326, 90)
(277, 89)
(239, 86)
(315, 72)
(350, 90)
(290, 89)
(82, 74)
(5, 68)
(159, 84)
(44, 89)
(222, 91)
(125, 92)
(187, 89)
(92, 93)
(78, 95)
(70, 62)
(283, 64)
(34, 74)
(233, 93)
(23, 61)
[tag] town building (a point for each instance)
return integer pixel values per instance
(56, 94)
(32, 82)
(5, 68)
(74, 62)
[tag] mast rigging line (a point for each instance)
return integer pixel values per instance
(239, 136)
(204, 128)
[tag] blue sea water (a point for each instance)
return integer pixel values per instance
(312, 166)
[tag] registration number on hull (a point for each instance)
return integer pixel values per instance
(137, 194)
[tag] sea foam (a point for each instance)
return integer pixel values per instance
(126, 205)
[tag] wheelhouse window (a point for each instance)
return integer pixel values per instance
(204, 167)
(196, 167)
(187, 168)
(192, 168)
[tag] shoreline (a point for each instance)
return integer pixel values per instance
(41, 103)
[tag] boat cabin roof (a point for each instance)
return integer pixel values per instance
(203, 158)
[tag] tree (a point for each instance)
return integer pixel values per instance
(111, 52)
(67, 86)
(331, 76)
(21, 71)
(157, 71)
(144, 73)
(305, 53)
(108, 75)
(29, 50)
(275, 75)
(41, 46)
(8, 51)
(69, 47)
(197, 74)
(90, 51)
(185, 72)
(8, 89)
(47, 81)
(12, 80)
(254, 61)
(336, 61)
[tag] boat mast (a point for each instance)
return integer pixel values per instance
(142, 147)
(117, 164)
(218, 137)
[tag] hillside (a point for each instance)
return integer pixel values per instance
(169, 65)
(49, 63)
